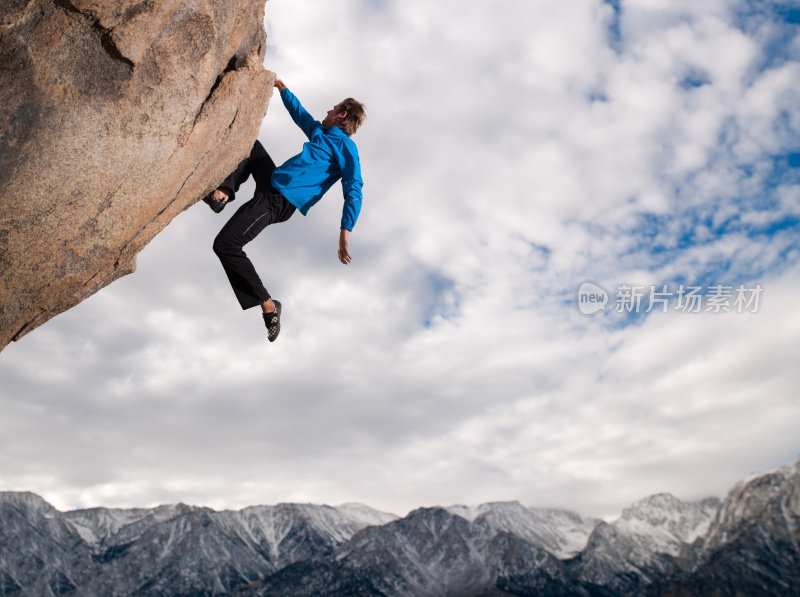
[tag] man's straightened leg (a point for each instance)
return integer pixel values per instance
(248, 221)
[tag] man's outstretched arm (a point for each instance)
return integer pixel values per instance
(299, 114)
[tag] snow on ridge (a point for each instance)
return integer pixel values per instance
(30, 500)
(561, 532)
(468, 513)
(366, 514)
(752, 494)
(95, 524)
(784, 471)
(662, 523)
(472, 513)
(272, 524)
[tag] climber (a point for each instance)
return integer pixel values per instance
(297, 184)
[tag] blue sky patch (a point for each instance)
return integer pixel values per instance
(443, 300)
(614, 29)
(695, 78)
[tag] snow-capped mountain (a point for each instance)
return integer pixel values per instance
(562, 533)
(642, 546)
(505, 549)
(753, 544)
(745, 545)
(429, 552)
(169, 550)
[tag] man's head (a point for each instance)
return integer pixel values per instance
(348, 115)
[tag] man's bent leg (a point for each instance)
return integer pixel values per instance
(258, 163)
(262, 167)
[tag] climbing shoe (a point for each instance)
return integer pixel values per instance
(273, 322)
(216, 205)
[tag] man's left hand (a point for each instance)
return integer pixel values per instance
(344, 255)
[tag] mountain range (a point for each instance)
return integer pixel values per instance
(746, 544)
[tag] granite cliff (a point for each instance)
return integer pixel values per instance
(114, 117)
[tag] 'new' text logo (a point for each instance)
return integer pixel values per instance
(591, 298)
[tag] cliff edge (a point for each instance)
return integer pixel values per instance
(115, 116)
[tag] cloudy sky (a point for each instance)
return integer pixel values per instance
(512, 152)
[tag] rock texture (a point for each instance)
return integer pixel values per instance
(114, 117)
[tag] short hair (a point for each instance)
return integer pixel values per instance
(356, 115)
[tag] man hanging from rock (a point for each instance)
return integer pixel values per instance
(329, 154)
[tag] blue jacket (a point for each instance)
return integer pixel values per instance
(328, 156)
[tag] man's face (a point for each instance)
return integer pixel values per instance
(334, 116)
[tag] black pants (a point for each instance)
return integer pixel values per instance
(266, 207)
